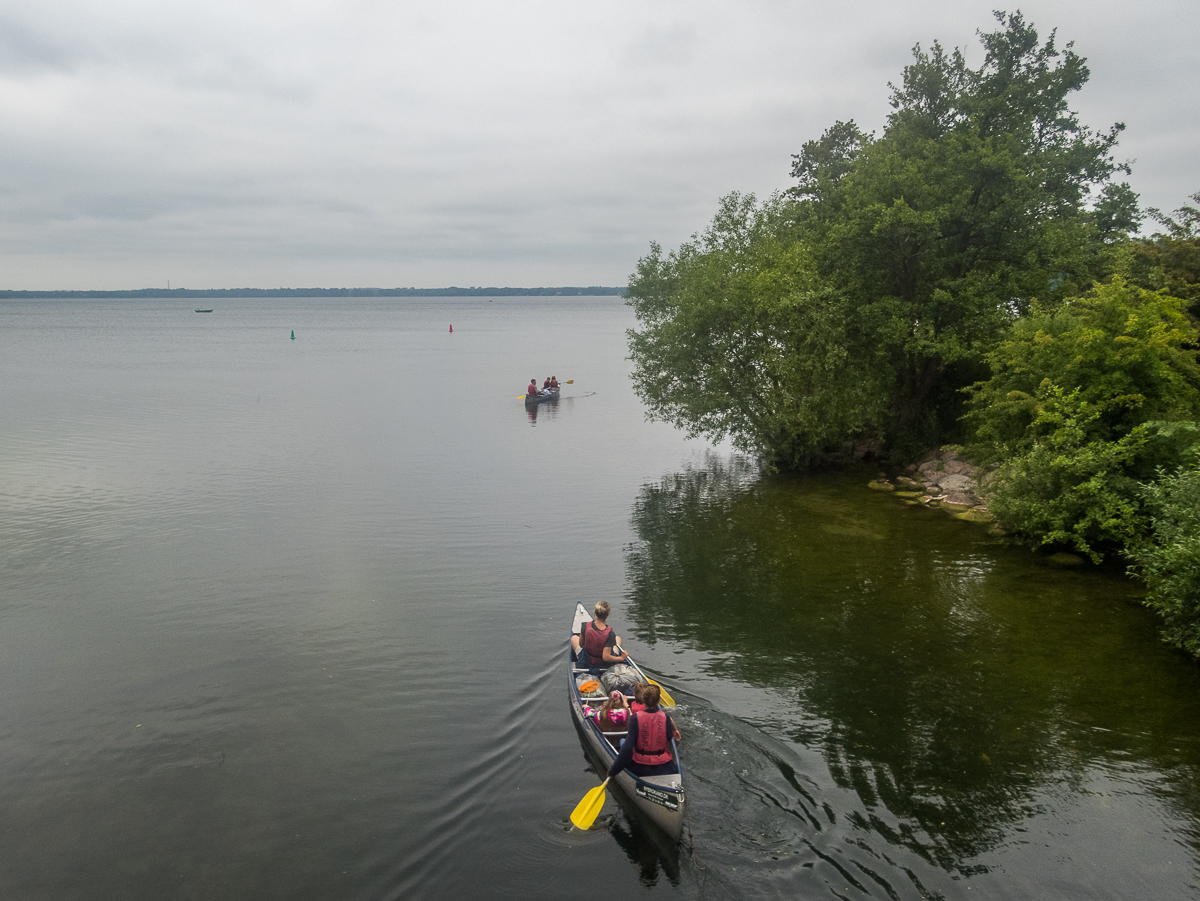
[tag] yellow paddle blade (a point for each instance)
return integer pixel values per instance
(569, 382)
(664, 696)
(588, 809)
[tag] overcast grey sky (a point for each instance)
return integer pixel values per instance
(328, 143)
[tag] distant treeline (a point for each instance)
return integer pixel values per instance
(321, 292)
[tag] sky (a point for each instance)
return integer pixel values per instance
(397, 143)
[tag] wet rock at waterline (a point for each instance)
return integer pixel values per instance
(943, 479)
(974, 515)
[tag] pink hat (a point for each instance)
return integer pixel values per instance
(615, 696)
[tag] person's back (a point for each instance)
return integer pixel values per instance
(613, 715)
(600, 644)
(647, 749)
(598, 647)
(653, 747)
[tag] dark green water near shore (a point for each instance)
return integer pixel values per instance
(286, 619)
(996, 722)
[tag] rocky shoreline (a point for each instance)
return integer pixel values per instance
(943, 478)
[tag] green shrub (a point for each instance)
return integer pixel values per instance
(1129, 353)
(1071, 488)
(1169, 558)
(1085, 403)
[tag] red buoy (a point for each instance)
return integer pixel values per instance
(452, 328)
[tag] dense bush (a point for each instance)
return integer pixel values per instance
(1070, 488)
(1169, 557)
(1084, 404)
(1127, 353)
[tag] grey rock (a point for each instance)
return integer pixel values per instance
(960, 499)
(957, 483)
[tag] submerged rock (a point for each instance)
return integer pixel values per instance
(1064, 558)
(881, 485)
(974, 515)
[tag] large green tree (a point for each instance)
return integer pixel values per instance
(738, 336)
(984, 191)
(913, 252)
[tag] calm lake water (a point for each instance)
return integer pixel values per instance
(286, 619)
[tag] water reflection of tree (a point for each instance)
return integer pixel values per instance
(947, 691)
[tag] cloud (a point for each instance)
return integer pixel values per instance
(28, 50)
(529, 142)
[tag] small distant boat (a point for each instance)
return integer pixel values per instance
(204, 311)
(540, 398)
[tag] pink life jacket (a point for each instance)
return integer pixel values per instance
(652, 746)
(594, 641)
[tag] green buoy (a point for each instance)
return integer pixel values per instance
(293, 334)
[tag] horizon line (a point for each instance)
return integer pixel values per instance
(452, 291)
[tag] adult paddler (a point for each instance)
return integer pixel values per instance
(597, 645)
(532, 391)
(646, 750)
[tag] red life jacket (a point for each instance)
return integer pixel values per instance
(531, 390)
(594, 641)
(652, 745)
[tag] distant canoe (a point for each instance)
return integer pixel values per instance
(541, 398)
(204, 311)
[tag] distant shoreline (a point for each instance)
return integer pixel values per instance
(316, 292)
